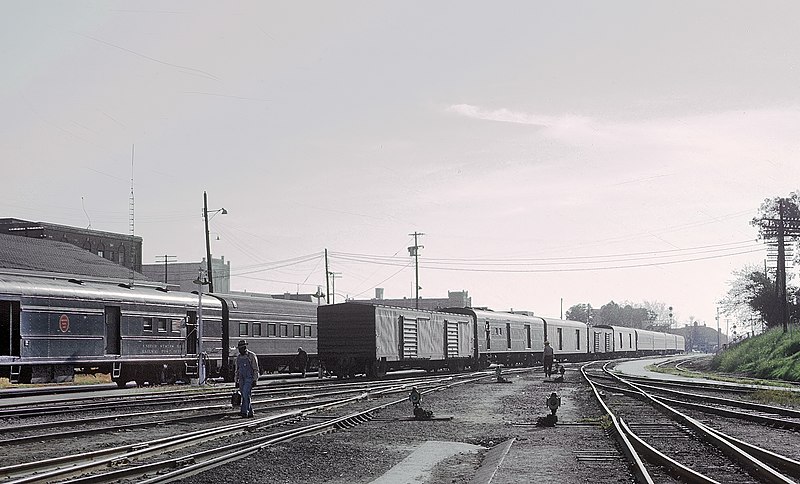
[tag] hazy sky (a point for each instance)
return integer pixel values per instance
(588, 151)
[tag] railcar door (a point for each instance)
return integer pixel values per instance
(113, 335)
(191, 333)
(9, 328)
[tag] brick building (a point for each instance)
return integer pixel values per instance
(125, 250)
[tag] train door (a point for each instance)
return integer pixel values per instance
(508, 335)
(408, 340)
(451, 339)
(113, 335)
(9, 328)
(191, 333)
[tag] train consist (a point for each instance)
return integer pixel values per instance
(51, 326)
(358, 338)
(141, 332)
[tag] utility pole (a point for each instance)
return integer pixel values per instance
(208, 245)
(718, 333)
(167, 258)
(413, 251)
(334, 276)
(781, 228)
(327, 280)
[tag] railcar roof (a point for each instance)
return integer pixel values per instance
(265, 305)
(376, 305)
(108, 290)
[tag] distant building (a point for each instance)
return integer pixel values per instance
(32, 255)
(183, 274)
(455, 299)
(125, 250)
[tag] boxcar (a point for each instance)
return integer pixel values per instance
(367, 338)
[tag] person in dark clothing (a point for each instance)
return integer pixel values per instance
(302, 360)
(246, 376)
(548, 359)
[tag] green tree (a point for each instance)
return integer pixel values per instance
(752, 295)
(577, 312)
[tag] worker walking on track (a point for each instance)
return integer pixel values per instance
(302, 360)
(246, 376)
(548, 359)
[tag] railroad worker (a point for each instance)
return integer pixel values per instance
(302, 360)
(548, 359)
(246, 376)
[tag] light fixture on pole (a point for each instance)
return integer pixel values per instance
(208, 243)
(201, 364)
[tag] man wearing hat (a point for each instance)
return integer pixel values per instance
(548, 359)
(246, 376)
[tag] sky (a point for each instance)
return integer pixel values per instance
(552, 153)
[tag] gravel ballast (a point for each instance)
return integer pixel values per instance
(576, 450)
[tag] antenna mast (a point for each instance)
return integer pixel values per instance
(131, 220)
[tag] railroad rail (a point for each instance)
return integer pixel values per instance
(148, 458)
(654, 426)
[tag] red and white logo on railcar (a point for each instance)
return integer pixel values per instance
(63, 323)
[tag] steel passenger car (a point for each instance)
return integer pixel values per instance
(50, 326)
(361, 337)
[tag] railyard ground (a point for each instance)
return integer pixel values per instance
(576, 450)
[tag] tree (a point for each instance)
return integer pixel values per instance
(770, 210)
(753, 296)
(577, 312)
(630, 315)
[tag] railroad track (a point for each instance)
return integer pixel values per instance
(176, 456)
(666, 444)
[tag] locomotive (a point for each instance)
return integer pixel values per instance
(142, 332)
(360, 337)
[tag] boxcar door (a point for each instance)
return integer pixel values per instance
(113, 336)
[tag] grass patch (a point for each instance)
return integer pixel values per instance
(773, 355)
(777, 397)
(742, 380)
(604, 421)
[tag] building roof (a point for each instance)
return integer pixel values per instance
(19, 224)
(40, 255)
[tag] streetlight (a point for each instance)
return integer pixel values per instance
(201, 364)
(208, 243)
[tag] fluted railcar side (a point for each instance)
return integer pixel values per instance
(568, 339)
(51, 326)
(506, 338)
